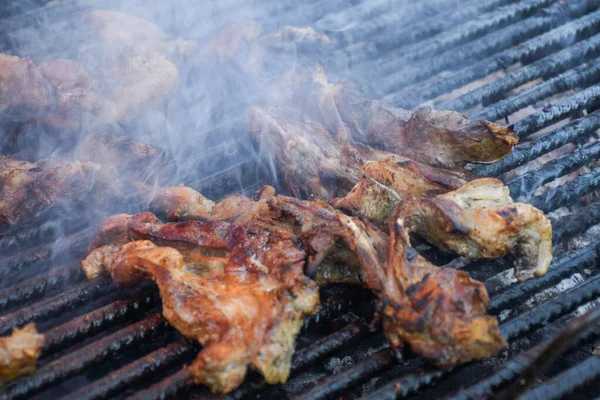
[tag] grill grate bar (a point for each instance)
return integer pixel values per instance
(82, 293)
(544, 68)
(568, 193)
(133, 373)
(355, 54)
(555, 112)
(581, 327)
(526, 184)
(331, 385)
(37, 286)
(166, 388)
(531, 50)
(94, 353)
(576, 261)
(30, 259)
(577, 222)
(385, 23)
(566, 382)
(533, 149)
(100, 319)
(511, 330)
(582, 75)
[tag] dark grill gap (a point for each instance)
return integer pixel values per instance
(415, 56)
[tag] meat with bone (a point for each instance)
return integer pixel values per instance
(19, 352)
(480, 220)
(317, 163)
(439, 138)
(236, 258)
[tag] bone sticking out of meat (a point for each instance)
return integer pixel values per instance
(19, 352)
(480, 220)
(440, 138)
(243, 265)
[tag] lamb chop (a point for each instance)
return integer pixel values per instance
(480, 220)
(438, 138)
(237, 260)
(19, 352)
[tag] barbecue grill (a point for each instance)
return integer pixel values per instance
(532, 64)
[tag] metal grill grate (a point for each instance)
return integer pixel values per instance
(476, 58)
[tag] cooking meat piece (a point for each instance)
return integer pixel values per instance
(438, 138)
(386, 182)
(317, 163)
(439, 312)
(19, 352)
(128, 155)
(234, 41)
(26, 192)
(181, 202)
(141, 79)
(480, 220)
(117, 27)
(56, 93)
(237, 289)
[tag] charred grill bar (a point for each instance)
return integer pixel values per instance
(87, 323)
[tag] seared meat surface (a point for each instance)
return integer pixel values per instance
(317, 163)
(19, 352)
(57, 93)
(480, 220)
(26, 191)
(235, 281)
(439, 138)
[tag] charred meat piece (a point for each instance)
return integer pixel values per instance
(238, 289)
(130, 156)
(19, 352)
(276, 239)
(480, 220)
(26, 191)
(321, 164)
(439, 312)
(56, 93)
(386, 182)
(438, 138)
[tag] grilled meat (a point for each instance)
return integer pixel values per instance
(438, 138)
(247, 256)
(126, 154)
(237, 289)
(27, 191)
(289, 38)
(317, 163)
(118, 28)
(480, 220)
(19, 352)
(386, 182)
(439, 312)
(56, 93)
